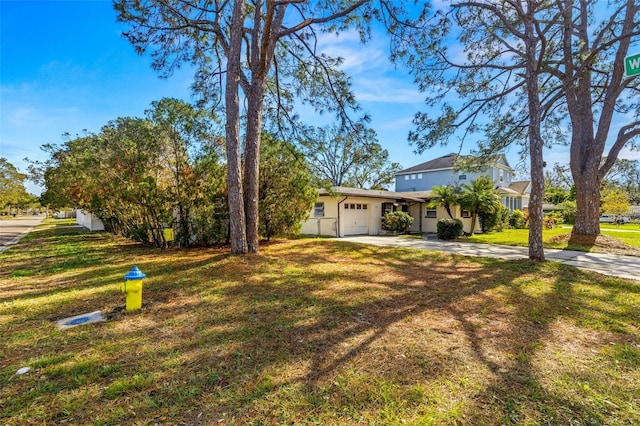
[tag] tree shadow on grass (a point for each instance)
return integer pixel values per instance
(320, 331)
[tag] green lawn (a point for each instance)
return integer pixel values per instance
(628, 233)
(311, 332)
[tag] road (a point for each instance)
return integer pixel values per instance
(11, 230)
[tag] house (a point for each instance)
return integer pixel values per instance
(448, 170)
(342, 211)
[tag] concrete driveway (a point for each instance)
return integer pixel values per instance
(11, 230)
(607, 264)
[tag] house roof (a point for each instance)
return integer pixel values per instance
(448, 162)
(444, 162)
(520, 186)
(373, 193)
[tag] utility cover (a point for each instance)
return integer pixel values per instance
(65, 323)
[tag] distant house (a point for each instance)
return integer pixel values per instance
(443, 171)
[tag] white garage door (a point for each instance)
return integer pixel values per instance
(355, 219)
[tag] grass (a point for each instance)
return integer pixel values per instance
(520, 237)
(311, 332)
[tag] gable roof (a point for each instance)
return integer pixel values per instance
(449, 161)
(444, 162)
(520, 186)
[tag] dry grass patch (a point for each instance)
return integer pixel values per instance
(312, 332)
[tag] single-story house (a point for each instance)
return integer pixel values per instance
(342, 211)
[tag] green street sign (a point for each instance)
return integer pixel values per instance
(632, 65)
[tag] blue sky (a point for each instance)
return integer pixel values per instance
(64, 67)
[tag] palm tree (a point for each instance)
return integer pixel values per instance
(479, 197)
(444, 196)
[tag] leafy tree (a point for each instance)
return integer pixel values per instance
(348, 156)
(445, 196)
(615, 202)
(625, 175)
(12, 189)
(479, 197)
(182, 130)
(250, 47)
(541, 62)
(286, 194)
(494, 85)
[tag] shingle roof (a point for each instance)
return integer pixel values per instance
(520, 186)
(373, 193)
(444, 162)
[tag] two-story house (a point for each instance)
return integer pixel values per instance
(446, 170)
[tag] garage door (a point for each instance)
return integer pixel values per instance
(355, 219)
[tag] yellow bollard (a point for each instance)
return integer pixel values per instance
(132, 287)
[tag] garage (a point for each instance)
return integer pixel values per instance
(355, 219)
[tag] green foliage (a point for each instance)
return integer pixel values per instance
(494, 221)
(397, 221)
(140, 176)
(445, 196)
(568, 209)
(285, 193)
(552, 219)
(615, 202)
(479, 197)
(12, 190)
(348, 156)
(449, 229)
(518, 219)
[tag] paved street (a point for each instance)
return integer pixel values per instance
(607, 264)
(11, 230)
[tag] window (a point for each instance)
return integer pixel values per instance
(462, 177)
(413, 177)
(466, 213)
(419, 175)
(387, 208)
(406, 177)
(355, 206)
(318, 209)
(432, 213)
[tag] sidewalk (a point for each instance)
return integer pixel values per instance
(607, 264)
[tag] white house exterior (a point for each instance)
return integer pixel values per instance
(349, 211)
(344, 211)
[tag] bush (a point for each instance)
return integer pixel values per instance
(495, 221)
(397, 221)
(568, 209)
(449, 229)
(552, 219)
(518, 219)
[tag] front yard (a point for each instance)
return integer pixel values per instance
(311, 332)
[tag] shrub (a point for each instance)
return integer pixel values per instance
(449, 229)
(397, 221)
(552, 219)
(495, 221)
(568, 209)
(518, 219)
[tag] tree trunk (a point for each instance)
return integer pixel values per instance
(536, 249)
(237, 230)
(588, 205)
(252, 167)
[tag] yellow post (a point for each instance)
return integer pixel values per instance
(132, 287)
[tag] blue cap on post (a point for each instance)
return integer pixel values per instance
(134, 274)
